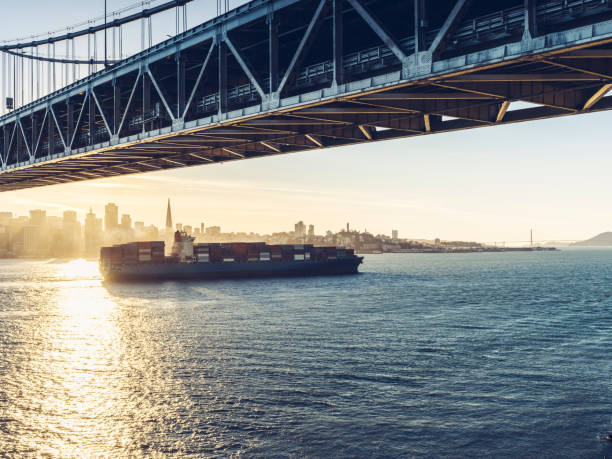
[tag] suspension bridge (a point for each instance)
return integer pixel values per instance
(271, 77)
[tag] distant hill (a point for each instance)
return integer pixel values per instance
(603, 239)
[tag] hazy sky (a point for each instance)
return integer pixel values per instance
(490, 184)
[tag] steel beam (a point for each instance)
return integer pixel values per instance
(449, 24)
(597, 96)
(304, 44)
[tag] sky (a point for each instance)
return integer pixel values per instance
(491, 184)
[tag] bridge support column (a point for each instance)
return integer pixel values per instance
(531, 29)
(91, 123)
(273, 53)
(420, 23)
(116, 111)
(180, 85)
(69, 123)
(222, 77)
(146, 99)
(50, 133)
(5, 148)
(338, 43)
(34, 134)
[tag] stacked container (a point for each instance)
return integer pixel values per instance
(201, 252)
(253, 252)
(288, 252)
(276, 253)
(153, 252)
(158, 251)
(144, 252)
(216, 253)
(298, 252)
(130, 252)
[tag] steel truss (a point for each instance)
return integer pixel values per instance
(281, 76)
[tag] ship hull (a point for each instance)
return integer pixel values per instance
(202, 271)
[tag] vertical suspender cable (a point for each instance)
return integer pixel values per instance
(73, 64)
(37, 75)
(89, 53)
(32, 76)
(14, 82)
(48, 88)
(3, 83)
(54, 82)
(95, 56)
(66, 66)
(150, 32)
(105, 38)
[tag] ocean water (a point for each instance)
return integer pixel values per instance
(466, 355)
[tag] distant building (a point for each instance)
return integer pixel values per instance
(168, 217)
(5, 218)
(70, 216)
(202, 228)
(300, 229)
(311, 232)
(38, 217)
(93, 234)
(394, 234)
(213, 231)
(126, 222)
(69, 240)
(111, 217)
(188, 229)
(179, 227)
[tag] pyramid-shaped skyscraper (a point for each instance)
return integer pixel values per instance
(169, 217)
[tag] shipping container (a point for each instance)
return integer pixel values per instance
(216, 254)
(203, 258)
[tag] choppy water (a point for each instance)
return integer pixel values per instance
(504, 355)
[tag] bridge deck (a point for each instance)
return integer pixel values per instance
(281, 76)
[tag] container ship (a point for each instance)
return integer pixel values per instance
(147, 260)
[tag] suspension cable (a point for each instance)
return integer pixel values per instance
(98, 28)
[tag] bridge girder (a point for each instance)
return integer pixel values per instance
(280, 76)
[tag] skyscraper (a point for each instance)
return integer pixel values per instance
(93, 234)
(126, 222)
(111, 217)
(300, 229)
(169, 217)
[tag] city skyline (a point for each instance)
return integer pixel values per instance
(39, 235)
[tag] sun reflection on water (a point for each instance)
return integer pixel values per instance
(79, 367)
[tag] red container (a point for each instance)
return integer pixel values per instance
(216, 254)
(116, 254)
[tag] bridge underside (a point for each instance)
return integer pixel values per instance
(261, 85)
